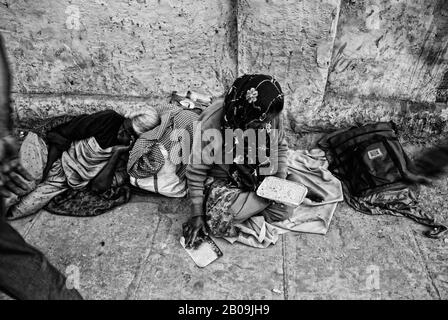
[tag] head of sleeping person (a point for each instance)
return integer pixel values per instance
(136, 123)
(252, 102)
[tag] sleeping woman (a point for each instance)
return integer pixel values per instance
(223, 194)
(81, 153)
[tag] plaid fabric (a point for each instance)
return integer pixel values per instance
(145, 158)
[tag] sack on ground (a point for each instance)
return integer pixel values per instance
(166, 182)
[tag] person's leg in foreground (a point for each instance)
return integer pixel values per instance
(25, 273)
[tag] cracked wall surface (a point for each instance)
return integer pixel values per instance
(390, 62)
(340, 62)
(121, 49)
(292, 40)
(130, 48)
(394, 49)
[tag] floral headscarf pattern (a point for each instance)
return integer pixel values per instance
(250, 100)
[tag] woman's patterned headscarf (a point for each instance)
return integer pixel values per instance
(250, 99)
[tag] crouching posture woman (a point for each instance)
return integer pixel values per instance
(81, 153)
(223, 194)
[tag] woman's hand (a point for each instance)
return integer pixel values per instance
(122, 149)
(191, 230)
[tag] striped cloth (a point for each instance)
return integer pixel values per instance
(83, 161)
(145, 158)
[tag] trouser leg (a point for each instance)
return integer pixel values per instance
(31, 203)
(25, 273)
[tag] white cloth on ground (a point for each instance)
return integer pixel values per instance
(309, 168)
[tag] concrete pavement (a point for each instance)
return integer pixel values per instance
(133, 252)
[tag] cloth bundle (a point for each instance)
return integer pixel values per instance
(83, 161)
(314, 215)
(145, 158)
(150, 165)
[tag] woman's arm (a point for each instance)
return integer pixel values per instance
(197, 171)
(196, 175)
(103, 125)
(53, 154)
(104, 178)
(57, 144)
(279, 151)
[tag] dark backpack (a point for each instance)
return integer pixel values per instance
(368, 159)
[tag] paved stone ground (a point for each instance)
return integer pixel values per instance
(133, 252)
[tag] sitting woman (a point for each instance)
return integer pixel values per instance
(82, 153)
(223, 194)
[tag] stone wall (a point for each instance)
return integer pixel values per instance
(293, 41)
(69, 50)
(339, 62)
(389, 62)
